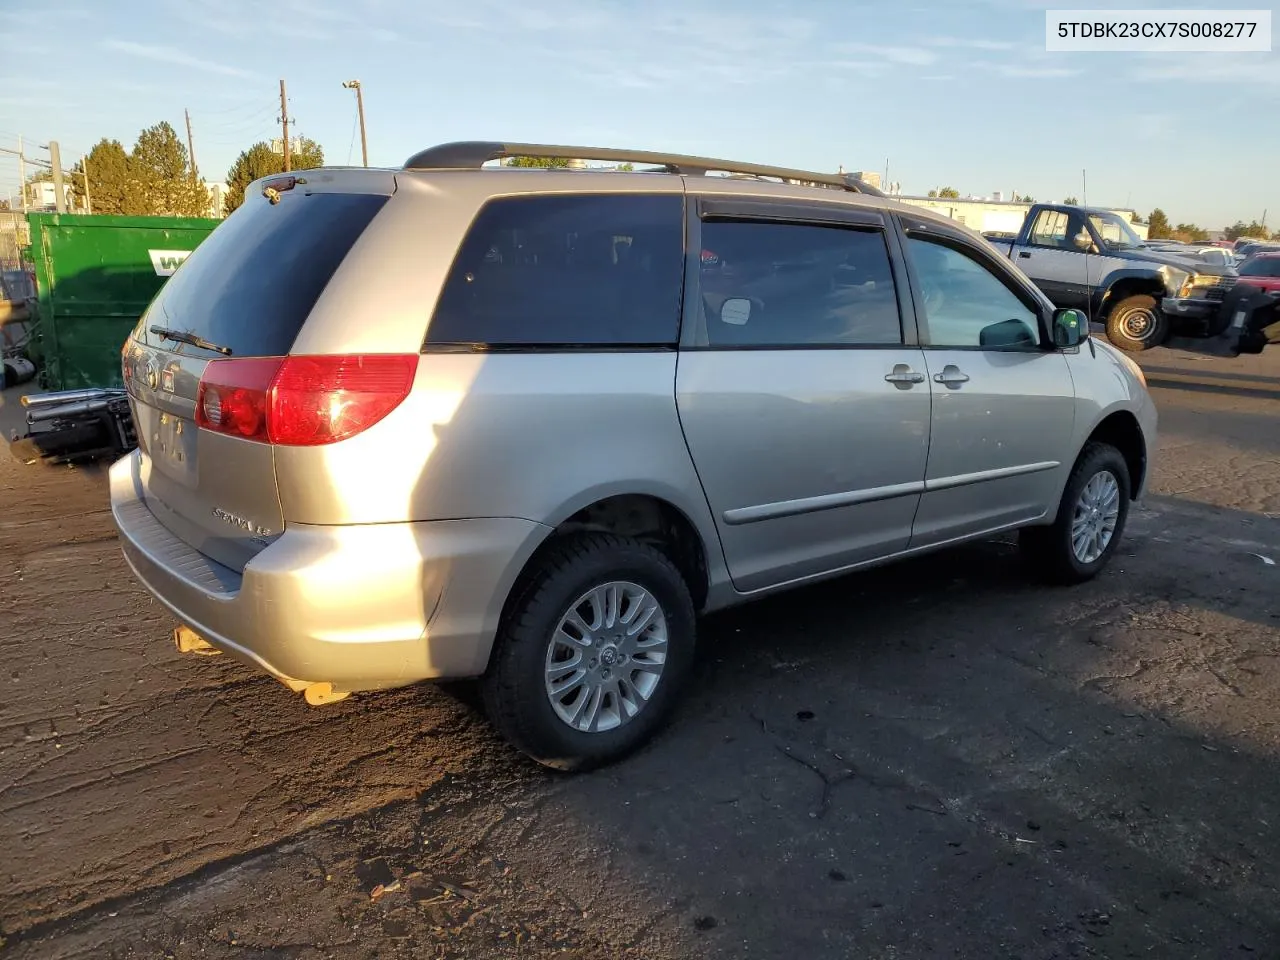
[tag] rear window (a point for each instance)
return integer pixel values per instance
(552, 270)
(252, 283)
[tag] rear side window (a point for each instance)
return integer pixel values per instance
(597, 270)
(252, 283)
(766, 284)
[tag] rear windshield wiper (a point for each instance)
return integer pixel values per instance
(182, 336)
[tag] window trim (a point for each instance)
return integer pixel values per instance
(1030, 297)
(530, 347)
(789, 213)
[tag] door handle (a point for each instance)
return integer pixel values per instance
(904, 374)
(1024, 255)
(951, 376)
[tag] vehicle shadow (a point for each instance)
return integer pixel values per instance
(923, 755)
(1203, 386)
(1214, 375)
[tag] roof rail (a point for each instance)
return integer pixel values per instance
(473, 154)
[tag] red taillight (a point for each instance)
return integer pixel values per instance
(302, 401)
(232, 398)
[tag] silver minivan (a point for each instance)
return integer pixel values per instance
(525, 425)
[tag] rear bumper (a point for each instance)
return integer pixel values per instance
(363, 607)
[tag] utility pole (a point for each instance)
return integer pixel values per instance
(84, 172)
(364, 143)
(22, 174)
(55, 163)
(284, 123)
(191, 144)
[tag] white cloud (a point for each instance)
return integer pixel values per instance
(968, 44)
(1029, 70)
(1247, 68)
(912, 56)
(147, 51)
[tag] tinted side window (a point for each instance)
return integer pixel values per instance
(251, 284)
(1262, 267)
(568, 270)
(965, 304)
(783, 285)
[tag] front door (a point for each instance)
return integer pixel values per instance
(1003, 404)
(1057, 258)
(805, 408)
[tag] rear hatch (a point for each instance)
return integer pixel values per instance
(244, 293)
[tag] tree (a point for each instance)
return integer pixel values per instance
(1158, 227)
(158, 167)
(1028, 199)
(1241, 229)
(933, 194)
(949, 193)
(112, 188)
(1190, 233)
(261, 161)
(1071, 202)
(626, 167)
(544, 161)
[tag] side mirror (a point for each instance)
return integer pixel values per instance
(735, 311)
(1070, 328)
(1084, 243)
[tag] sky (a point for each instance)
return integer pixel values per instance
(944, 93)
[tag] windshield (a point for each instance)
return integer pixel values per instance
(1114, 231)
(1261, 267)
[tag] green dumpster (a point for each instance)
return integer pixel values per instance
(95, 276)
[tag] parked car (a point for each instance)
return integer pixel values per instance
(525, 425)
(1092, 260)
(1262, 271)
(1254, 247)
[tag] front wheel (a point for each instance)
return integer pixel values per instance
(1137, 323)
(1090, 521)
(593, 653)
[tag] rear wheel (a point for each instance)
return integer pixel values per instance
(1137, 323)
(1090, 521)
(592, 656)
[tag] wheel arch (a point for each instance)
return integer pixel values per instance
(1120, 428)
(648, 516)
(1120, 284)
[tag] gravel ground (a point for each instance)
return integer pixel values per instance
(937, 759)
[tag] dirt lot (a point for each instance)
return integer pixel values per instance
(934, 760)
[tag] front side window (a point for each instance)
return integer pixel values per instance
(966, 304)
(567, 271)
(769, 284)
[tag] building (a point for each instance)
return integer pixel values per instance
(870, 177)
(995, 215)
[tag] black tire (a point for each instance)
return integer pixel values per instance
(514, 689)
(1050, 549)
(1137, 323)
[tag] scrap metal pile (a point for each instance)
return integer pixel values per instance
(70, 426)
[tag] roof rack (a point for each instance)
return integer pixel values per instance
(473, 154)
